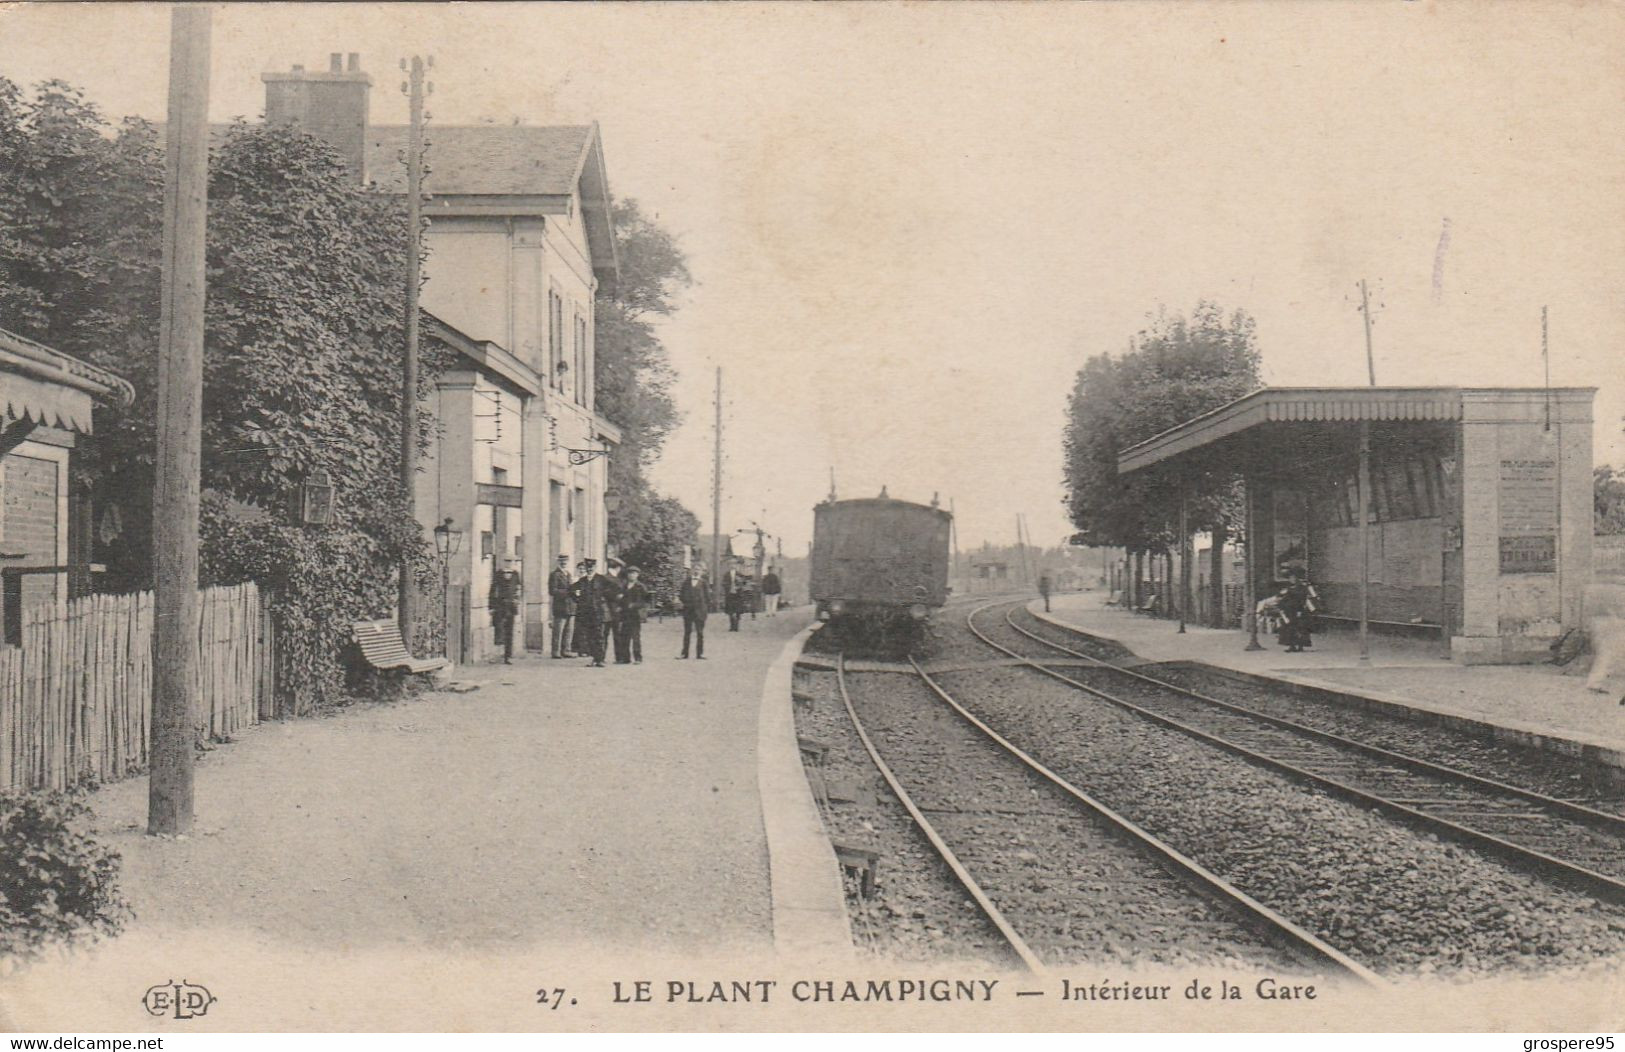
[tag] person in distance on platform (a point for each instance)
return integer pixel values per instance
(592, 610)
(771, 590)
(613, 587)
(733, 600)
(506, 590)
(1044, 588)
(634, 600)
(564, 607)
(695, 598)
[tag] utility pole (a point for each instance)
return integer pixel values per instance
(409, 370)
(716, 494)
(180, 424)
(953, 543)
(1365, 488)
(1365, 311)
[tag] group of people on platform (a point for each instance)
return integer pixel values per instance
(596, 614)
(736, 602)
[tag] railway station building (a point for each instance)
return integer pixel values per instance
(1461, 513)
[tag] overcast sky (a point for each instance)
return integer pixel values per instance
(911, 223)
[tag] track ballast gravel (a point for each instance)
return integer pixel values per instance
(1398, 900)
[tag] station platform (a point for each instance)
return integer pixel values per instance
(1534, 705)
(535, 825)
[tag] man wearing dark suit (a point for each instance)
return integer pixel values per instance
(506, 595)
(695, 598)
(629, 636)
(592, 613)
(771, 588)
(610, 587)
(733, 601)
(564, 607)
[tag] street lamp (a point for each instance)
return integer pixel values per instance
(446, 543)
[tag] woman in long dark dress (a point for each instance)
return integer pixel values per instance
(1297, 604)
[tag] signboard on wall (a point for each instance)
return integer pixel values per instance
(1528, 502)
(1291, 509)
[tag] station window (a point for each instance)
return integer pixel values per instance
(555, 338)
(581, 359)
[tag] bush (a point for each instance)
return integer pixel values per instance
(320, 580)
(56, 882)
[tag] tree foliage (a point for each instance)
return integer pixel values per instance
(634, 376)
(1178, 368)
(1608, 499)
(302, 351)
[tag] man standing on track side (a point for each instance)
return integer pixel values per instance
(695, 598)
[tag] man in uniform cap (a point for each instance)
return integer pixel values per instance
(613, 586)
(506, 589)
(564, 607)
(695, 598)
(592, 611)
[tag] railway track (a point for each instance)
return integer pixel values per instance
(1552, 837)
(971, 787)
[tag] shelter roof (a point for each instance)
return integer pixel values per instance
(1311, 405)
(52, 388)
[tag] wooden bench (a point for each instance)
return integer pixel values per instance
(1148, 605)
(382, 648)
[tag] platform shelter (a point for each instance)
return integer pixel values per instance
(1464, 513)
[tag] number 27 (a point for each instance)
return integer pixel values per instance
(553, 997)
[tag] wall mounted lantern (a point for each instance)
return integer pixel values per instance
(446, 539)
(316, 499)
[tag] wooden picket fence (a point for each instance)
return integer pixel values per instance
(76, 696)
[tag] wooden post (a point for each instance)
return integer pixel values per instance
(1249, 567)
(1216, 571)
(1184, 555)
(409, 368)
(180, 424)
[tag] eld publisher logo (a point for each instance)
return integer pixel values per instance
(182, 1000)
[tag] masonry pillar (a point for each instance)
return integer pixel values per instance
(534, 519)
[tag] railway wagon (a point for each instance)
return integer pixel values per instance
(879, 565)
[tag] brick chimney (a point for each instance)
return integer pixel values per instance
(331, 106)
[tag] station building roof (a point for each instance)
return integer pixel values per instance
(1267, 413)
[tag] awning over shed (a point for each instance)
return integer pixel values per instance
(49, 388)
(1294, 404)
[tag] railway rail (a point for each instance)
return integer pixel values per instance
(1242, 919)
(1553, 837)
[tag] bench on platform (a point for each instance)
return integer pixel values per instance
(1148, 605)
(382, 648)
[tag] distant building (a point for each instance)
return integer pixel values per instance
(520, 240)
(46, 517)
